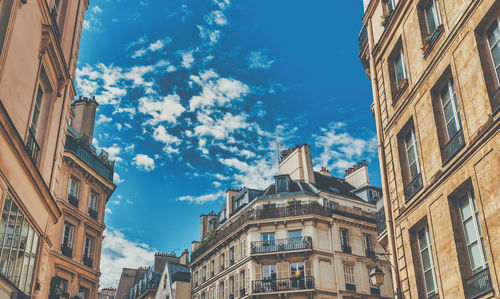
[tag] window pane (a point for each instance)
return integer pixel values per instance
(452, 128)
(429, 282)
(295, 234)
(426, 260)
(422, 239)
(413, 171)
(474, 255)
(470, 232)
(465, 208)
(493, 33)
(495, 52)
(431, 19)
(448, 111)
(399, 70)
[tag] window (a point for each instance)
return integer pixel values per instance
(195, 279)
(243, 249)
(425, 250)
(350, 285)
(88, 250)
(37, 109)
(222, 261)
(281, 184)
(231, 256)
(267, 239)
(391, 5)
(472, 232)
(212, 268)
(269, 272)
(19, 243)
(400, 80)
(204, 274)
(344, 240)
(67, 240)
(74, 187)
(83, 293)
(242, 279)
(450, 121)
(221, 289)
(93, 204)
(40, 109)
(493, 38)
(410, 164)
(367, 238)
(295, 235)
(203, 295)
(231, 285)
(297, 273)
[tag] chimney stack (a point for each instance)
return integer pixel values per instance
(297, 163)
(84, 110)
(325, 171)
(357, 175)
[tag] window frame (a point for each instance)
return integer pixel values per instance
(453, 101)
(436, 15)
(94, 202)
(77, 182)
(88, 247)
(490, 54)
(70, 235)
(401, 56)
(347, 241)
(411, 132)
(349, 274)
(432, 268)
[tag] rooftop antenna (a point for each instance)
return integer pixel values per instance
(278, 147)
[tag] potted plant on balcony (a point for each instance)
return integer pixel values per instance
(426, 43)
(282, 286)
(385, 19)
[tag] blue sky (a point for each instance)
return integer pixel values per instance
(194, 95)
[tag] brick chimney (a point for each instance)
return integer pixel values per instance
(297, 163)
(205, 228)
(184, 258)
(325, 171)
(357, 175)
(83, 121)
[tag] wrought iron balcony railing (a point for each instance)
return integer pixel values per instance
(83, 150)
(375, 291)
(370, 254)
(279, 245)
(243, 292)
(453, 146)
(478, 284)
(67, 251)
(381, 225)
(413, 187)
(73, 200)
(283, 284)
(350, 287)
(93, 213)
(87, 261)
(32, 146)
(346, 248)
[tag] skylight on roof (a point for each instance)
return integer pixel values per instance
(334, 189)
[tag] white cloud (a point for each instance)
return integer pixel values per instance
(203, 198)
(96, 9)
(340, 150)
(216, 90)
(216, 184)
(216, 17)
(113, 152)
(257, 174)
(118, 250)
(152, 47)
(187, 59)
(103, 119)
(171, 68)
(130, 111)
(165, 109)
(108, 210)
(144, 162)
(258, 60)
(219, 128)
(211, 35)
(117, 179)
(223, 4)
(92, 23)
(160, 134)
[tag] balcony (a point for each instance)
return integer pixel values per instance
(93, 213)
(370, 254)
(280, 245)
(431, 39)
(375, 291)
(73, 200)
(260, 214)
(350, 287)
(87, 261)
(478, 284)
(346, 248)
(283, 285)
(243, 292)
(362, 38)
(381, 225)
(32, 146)
(67, 251)
(453, 146)
(82, 149)
(413, 187)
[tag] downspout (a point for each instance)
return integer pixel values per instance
(382, 165)
(66, 90)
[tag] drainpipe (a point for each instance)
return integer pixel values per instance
(382, 164)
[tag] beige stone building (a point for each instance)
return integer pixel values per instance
(107, 293)
(39, 41)
(308, 235)
(84, 186)
(434, 69)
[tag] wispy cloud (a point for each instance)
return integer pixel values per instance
(259, 60)
(144, 162)
(203, 198)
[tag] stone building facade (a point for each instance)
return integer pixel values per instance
(39, 41)
(434, 70)
(308, 235)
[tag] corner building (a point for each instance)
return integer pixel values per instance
(39, 41)
(308, 235)
(435, 75)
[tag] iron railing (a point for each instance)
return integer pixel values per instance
(243, 292)
(381, 225)
(432, 39)
(93, 213)
(362, 37)
(346, 248)
(32, 146)
(350, 287)
(82, 149)
(257, 214)
(279, 245)
(67, 251)
(478, 284)
(87, 261)
(370, 254)
(413, 187)
(453, 146)
(375, 291)
(283, 284)
(73, 200)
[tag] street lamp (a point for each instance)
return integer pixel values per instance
(376, 276)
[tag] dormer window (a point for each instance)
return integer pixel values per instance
(282, 184)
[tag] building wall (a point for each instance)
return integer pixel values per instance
(460, 53)
(30, 43)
